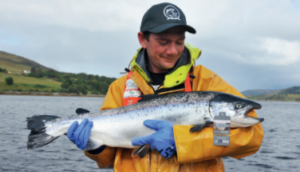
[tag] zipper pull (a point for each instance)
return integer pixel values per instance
(126, 71)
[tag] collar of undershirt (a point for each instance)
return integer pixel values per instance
(157, 78)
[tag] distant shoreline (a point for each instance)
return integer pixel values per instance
(276, 100)
(47, 94)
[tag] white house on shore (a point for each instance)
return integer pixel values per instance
(26, 71)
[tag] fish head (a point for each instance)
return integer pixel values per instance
(235, 107)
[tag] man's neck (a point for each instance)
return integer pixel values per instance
(157, 78)
(156, 70)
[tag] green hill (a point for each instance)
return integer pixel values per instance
(29, 84)
(258, 92)
(39, 78)
(288, 94)
(291, 90)
(16, 64)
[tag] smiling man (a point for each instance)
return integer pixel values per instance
(164, 49)
(165, 64)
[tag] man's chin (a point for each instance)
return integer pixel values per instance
(168, 66)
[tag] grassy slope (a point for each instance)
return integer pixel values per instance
(287, 97)
(17, 64)
(13, 68)
(27, 83)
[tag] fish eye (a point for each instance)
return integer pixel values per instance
(238, 106)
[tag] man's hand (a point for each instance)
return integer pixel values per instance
(80, 134)
(162, 140)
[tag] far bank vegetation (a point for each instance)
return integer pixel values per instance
(289, 94)
(57, 82)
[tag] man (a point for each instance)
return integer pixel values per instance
(164, 65)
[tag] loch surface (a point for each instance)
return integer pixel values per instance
(280, 150)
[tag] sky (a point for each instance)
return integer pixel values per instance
(252, 44)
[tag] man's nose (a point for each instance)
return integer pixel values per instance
(172, 50)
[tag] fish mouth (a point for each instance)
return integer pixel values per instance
(243, 120)
(252, 107)
(259, 119)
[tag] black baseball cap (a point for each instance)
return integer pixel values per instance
(163, 16)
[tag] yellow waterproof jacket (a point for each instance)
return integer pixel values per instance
(195, 151)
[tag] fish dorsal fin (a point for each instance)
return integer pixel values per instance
(148, 97)
(80, 111)
(141, 151)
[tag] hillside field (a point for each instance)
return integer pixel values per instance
(23, 83)
(14, 68)
(276, 97)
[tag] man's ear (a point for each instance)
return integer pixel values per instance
(143, 41)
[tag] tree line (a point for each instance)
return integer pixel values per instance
(81, 83)
(8, 80)
(3, 70)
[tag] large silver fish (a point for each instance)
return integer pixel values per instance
(117, 127)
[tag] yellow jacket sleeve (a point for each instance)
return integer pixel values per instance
(196, 147)
(113, 99)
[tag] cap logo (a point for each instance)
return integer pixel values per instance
(171, 13)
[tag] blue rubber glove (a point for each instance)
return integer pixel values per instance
(162, 140)
(80, 134)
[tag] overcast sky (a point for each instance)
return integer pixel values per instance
(252, 44)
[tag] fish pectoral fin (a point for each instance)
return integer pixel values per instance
(199, 127)
(141, 151)
(80, 111)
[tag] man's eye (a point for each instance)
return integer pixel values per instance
(163, 43)
(180, 43)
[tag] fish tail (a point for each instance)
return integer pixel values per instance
(38, 137)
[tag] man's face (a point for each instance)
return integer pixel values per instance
(164, 49)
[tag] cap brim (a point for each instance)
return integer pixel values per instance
(167, 26)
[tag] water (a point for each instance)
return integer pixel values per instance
(280, 150)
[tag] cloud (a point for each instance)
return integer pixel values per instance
(92, 15)
(265, 51)
(281, 52)
(251, 44)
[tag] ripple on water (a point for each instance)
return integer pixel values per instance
(272, 130)
(297, 153)
(294, 130)
(285, 158)
(266, 151)
(262, 165)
